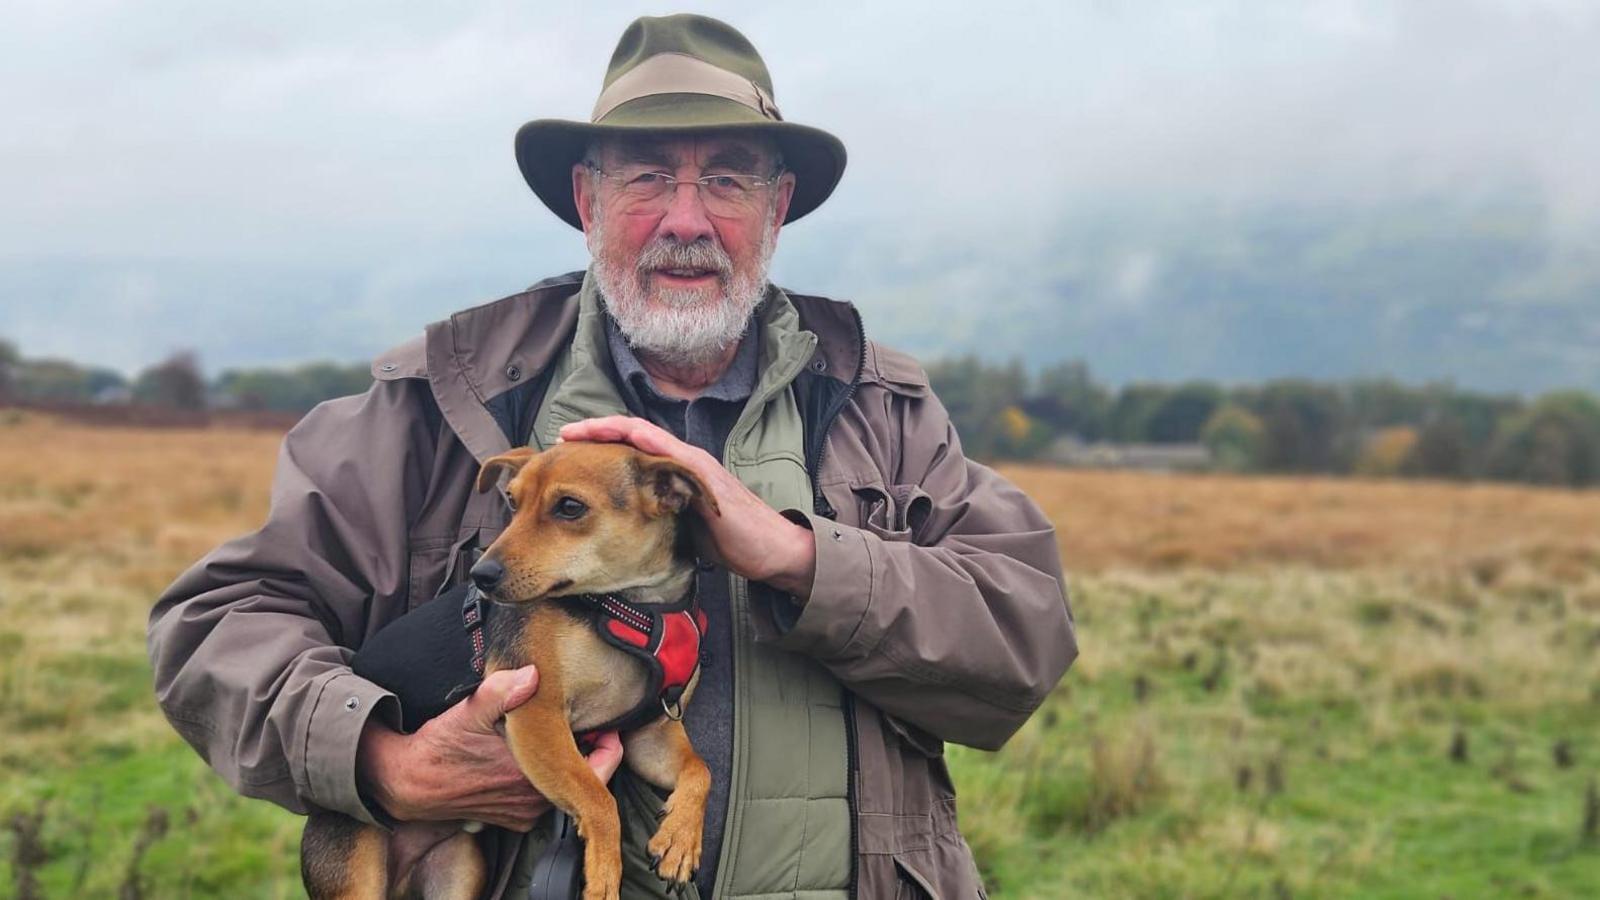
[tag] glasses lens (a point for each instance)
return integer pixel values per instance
(730, 194)
(724, 194)
(644, 186)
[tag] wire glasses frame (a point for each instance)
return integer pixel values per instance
(724, 193)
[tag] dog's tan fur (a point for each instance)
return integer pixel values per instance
(624, 542)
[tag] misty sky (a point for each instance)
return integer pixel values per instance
(272, 183)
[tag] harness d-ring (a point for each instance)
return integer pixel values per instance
(673, 709)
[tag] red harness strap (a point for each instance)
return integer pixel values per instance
(666, 639)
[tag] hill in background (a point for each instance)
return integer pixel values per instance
(1487, 290)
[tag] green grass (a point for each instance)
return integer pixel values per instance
(215, 844)
(1395, 820)
(1274, 734)
(1268, 782)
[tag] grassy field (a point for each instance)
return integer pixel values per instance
(1288, 688)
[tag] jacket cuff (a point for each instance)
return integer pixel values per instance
(833, 621)
(343, 706)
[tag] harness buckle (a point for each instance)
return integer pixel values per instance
(472, 607)
(472, 618)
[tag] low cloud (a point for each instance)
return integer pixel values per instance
(374, 140)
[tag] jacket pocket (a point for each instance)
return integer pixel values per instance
(892, 512)
(914, 737)
(437, 565)
(427, 559)
(911, 884)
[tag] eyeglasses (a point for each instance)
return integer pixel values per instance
(724, 193)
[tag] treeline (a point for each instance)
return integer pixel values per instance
(1369, 427)
(177, 383)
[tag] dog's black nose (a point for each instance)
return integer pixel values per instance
(487, 574)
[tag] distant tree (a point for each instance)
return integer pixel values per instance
(1304, 422)
(1181, 414)
(60, 381)
(1384, 402)
(175, 383)
(1555, 441)
(1236, 438)
(1442, 450)
(99, 380)
(976, 397)
(1067, 399)
(9, 360)
(1483, 417)
(1130, 415)
(1386, 452)
(293, 390)
(1019, 436)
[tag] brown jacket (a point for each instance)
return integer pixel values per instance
(939, 600)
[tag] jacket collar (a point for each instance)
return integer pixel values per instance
(482, 353)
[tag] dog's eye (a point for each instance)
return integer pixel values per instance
(569, 508)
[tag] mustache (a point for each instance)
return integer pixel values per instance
(670, 253)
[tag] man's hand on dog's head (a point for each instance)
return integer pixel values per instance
(457, 766)
(748, 536)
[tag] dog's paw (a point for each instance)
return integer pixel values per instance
(675, 849)
(602, 876)
(602, 889)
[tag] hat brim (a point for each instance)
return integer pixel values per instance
(548, 148)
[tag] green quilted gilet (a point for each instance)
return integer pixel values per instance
(787, 833)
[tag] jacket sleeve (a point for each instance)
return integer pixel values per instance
(960, 627)
(251, 646)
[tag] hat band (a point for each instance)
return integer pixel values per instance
(680, 73)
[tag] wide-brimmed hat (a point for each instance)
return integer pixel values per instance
(682, 73)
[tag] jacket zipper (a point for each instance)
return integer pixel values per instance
(853, 764)
(823, 508)
(820, 503)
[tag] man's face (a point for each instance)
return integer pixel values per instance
(681, 272)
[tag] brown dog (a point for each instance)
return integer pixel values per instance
(591, 520)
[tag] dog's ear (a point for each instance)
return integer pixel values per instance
(669, 486)
(511, 461)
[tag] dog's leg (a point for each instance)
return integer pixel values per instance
(662, 755)
(342, 859)
(541, 740)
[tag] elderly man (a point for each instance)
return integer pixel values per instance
(877, 593)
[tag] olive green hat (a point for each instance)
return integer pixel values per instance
(680, 73)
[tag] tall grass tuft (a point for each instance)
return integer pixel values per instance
(27, 852)
(155, 828)
(1125, 777)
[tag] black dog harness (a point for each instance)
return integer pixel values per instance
(665, 637)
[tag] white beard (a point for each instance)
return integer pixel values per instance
(678, 327)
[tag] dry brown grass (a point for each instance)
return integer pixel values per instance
(94, 523)
(1136, 520)
(164, 496)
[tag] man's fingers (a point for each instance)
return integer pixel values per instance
(504, 690)
(646, 436)
(626, 429)
(606, 755)
(604, 428)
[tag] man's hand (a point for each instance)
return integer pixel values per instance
(458, 766)
(749, 537)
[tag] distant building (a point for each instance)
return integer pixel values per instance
(113, 395)
(1070, 451)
